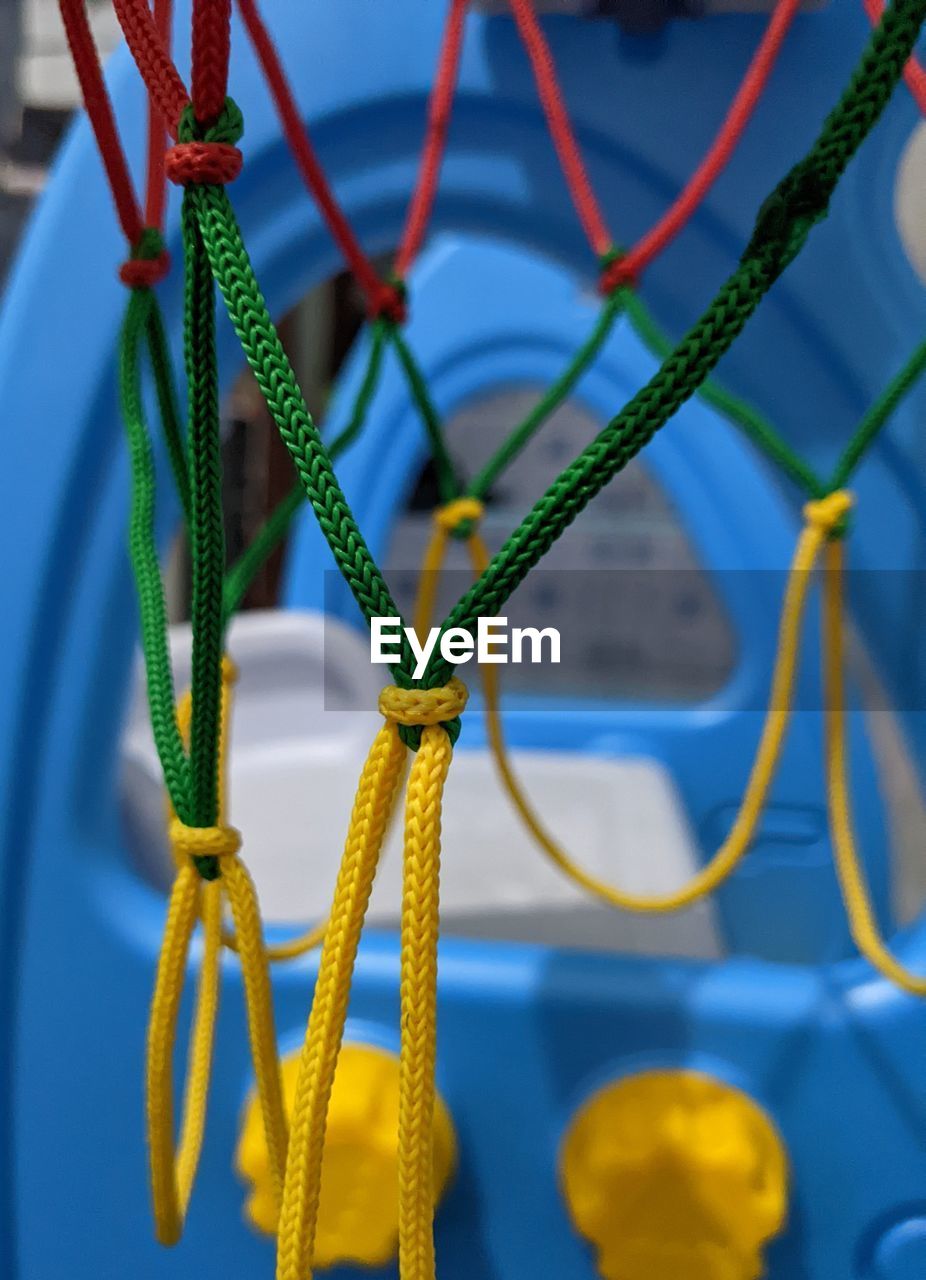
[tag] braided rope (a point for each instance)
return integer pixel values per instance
(375, 800)
(211, 51)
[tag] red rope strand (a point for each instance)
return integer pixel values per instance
(153, 61)
(100, 113)
(306, 160)
(211, 52)
(440, 109)
(567, 149)
(631, 265)
(914, 75)
(155, 184)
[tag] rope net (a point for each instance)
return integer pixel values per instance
(192, 141)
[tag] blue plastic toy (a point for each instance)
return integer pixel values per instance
(527, 1032)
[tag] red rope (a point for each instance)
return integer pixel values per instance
(211, 52)
(914, 74)
(100, 113)
(155, 185)
(631, 265)
(149, 50)
(551, 99)
(440, 109)
(306, 160)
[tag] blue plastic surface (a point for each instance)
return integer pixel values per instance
(526, 1031)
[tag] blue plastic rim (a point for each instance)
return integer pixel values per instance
(832, 1053)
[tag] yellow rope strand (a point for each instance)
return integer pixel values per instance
(821, 518)
(373, 805)
(182, 912)
(202, 1039)
(418, 1000)
(862, 922)
(446, 519)
(173, 1172)
(376, 796)
(288, 948)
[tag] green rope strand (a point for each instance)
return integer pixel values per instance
(144, 557)
(169, 410)
(742, 415)
(552, 399)
(878, 415)
(448, 484)
(242, 573)
(207, 542)
(232, 269)
(366, 392)
(268, 537)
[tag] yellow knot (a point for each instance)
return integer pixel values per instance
(229, 670)
(454, 513)
(414, 707)
(829, 512)
(203, 842)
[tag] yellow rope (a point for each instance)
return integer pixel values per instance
(173, 1172)
(862, 922)
(822, 518)
(377, 792)
(287, 948)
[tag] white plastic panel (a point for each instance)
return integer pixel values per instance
(294, 768)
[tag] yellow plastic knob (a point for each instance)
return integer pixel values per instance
(358, 1217)
(674, 1173)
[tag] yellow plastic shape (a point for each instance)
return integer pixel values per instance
(674, 1174)
(358, 1219)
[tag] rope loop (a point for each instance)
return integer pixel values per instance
(414, 709)
(458, 517)
(830, 514)
(204, 846)
(149, 261)
(206, 156)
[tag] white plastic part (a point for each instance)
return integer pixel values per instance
(294, 769)
(909, 200)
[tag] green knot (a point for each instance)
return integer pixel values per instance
(148, 246)
(228, 126)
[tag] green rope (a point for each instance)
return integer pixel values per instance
(207, 540)
(878, 415)
(448, 484)
(366, 391)
(552, 399)
(268, 537)
(265, 541)
(168, 407)
(232, 269)
(144, 557)
(741, 414)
